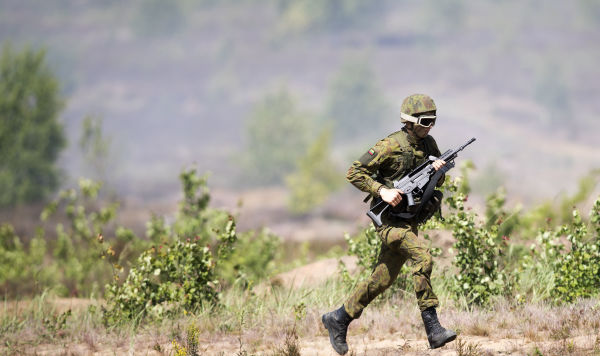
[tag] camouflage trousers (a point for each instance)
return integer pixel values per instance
(399, 244)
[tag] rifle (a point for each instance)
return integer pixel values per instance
(418, 183)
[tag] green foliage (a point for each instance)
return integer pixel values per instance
(80, 244)
(23, 270)
(576, 269)
(196, 256)
(560, 212)
(68, 264)
(193, 215)
(165, 279)
(365, 246)
(31, 136)
(315, 177)
(252, 260)
(277, 135)
(356, 103)
(180, 273)
(179, 267)
(505, 222)
(478, 253)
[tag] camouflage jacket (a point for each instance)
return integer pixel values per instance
(390, 159)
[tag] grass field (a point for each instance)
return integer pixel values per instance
(277, 320)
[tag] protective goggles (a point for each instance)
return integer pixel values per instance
(422, 120)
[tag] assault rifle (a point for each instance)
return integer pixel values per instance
(419, 183)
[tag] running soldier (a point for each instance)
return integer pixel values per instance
(390, 159)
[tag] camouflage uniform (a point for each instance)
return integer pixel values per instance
(390, 159)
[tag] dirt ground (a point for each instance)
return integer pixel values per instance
(392, 344)
(393, 329)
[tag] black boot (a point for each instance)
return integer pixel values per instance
(436, 334)
(336, 322)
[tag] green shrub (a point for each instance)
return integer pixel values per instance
(23, 269)
(166, 279)
(193, 259)
(252, 259)
(80, 244)
(576, 269)
(479, 274)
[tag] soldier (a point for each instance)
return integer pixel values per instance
(390, 159)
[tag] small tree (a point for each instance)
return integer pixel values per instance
(277, 135)
(356, 103)
(31, 136)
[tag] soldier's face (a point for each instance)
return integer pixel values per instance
(420, 131)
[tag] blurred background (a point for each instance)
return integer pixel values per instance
(274, 99)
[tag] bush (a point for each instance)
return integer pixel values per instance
(80, 244)
(193, 259)
(478, 249)
(576, 269)
(252, 259)
(167, 279)
(23, 270)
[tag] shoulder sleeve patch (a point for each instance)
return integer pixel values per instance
(368, 156)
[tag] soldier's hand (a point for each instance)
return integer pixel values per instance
(437, 164)
(391, 196)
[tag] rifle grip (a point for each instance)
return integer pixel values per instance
(411, 200)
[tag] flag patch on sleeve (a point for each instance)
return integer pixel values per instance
(368, 156)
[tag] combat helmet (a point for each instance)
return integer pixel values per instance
(414, 105)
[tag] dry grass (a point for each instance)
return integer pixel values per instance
(253, 324)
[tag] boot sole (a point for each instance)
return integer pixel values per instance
(324, 320)
(450, 339)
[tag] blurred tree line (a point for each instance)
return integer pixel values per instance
(286, 145)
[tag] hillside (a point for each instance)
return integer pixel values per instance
(520, 77)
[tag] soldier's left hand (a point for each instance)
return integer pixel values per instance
(437, 164)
